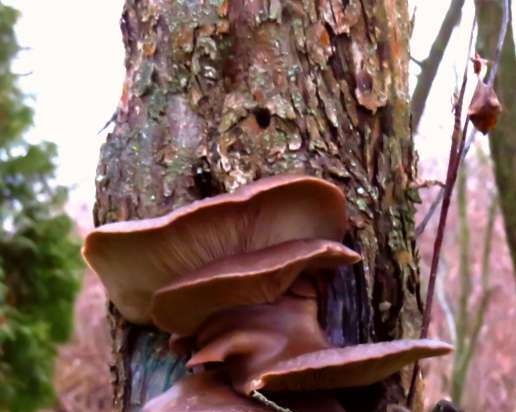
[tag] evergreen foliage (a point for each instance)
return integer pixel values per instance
(39, 264)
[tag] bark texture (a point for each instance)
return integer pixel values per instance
(220, 93)
(502, 139)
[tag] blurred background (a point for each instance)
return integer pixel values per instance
(61, 75)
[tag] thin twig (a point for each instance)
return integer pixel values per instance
(447, 309)
(457, 145)
(471, 138)
(486, 273)
(426, 184)
(499, 45)
(463, 362)
(465, 261)
(267, 402)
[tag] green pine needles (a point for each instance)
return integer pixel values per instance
(40, 265)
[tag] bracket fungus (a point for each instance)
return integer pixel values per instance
(233, 276)
(136, 258)
(281, 347)
(251, 278)
(202, 392)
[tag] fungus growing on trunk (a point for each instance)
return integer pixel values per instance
(207, 392)
(281, 347)
(245, 279)
(202, 392)
(136, 258)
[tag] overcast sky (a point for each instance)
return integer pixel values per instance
(75, 61)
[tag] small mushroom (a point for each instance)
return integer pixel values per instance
(208, 392)
(280, 347)
(136, 258)
(245, 279)
(203, 392)
(351, 366)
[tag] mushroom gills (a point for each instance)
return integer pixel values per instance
(136, 258)
(281, 347)
(250, 278)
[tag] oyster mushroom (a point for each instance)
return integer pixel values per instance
(136, 258)
(208, 392)
(244, 279)
(203, 392)
(281, 347)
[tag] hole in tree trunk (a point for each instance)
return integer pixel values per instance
(263, 117)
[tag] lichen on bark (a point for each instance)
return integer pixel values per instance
(221, 93)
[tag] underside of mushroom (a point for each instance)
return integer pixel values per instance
(136, 258)
(281, 347)
(245, 279)
(208, 392)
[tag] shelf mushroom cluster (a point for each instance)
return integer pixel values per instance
(232, 278)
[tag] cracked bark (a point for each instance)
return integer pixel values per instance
(220, 93)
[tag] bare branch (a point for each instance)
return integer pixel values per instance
(471, 138)
(268, 403)
(447, 309)
(457, 146)
(430, 65)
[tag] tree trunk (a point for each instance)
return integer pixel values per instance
(220, 93)
(502, 139)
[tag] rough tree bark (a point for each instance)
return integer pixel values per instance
(220, 93)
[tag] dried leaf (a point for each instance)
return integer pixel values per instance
(484, 108)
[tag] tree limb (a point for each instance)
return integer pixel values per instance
(430, 65)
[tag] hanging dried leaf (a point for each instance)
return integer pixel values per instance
(484, 108)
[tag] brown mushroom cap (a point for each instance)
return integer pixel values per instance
(351, 366)
(245, 279)
(280, 346)
(203, 392)
(261, 334)
(207, 392)
(136, 258)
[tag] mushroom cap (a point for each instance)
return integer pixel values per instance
(251, 278)
(217, 396)
(281, 347)
(203, 392)
(350, 366)
(136, 258)
(260, 335)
